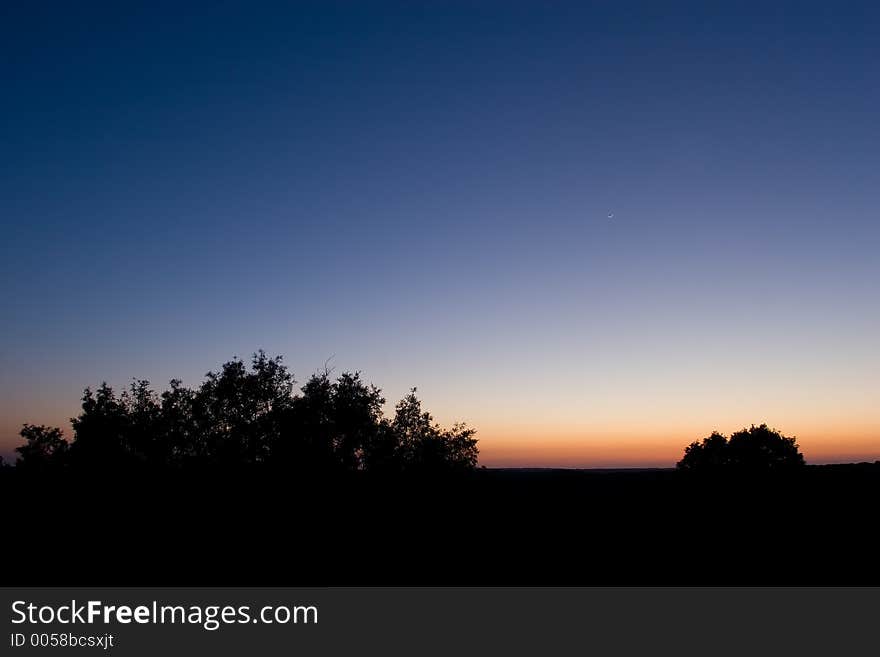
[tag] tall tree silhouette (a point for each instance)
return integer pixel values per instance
(101, 431)
(181, 425)
(422, 444)
(334, 424)
(143, 438)
(306, 437)
(241, 409)
(357, 410)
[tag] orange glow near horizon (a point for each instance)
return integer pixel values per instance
(611, 443)
(531, 448)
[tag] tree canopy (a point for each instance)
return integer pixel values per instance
(756, 448)
(44, 447)
(252, 416)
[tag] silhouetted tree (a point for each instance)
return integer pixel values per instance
(306, 437)
(333, 425)
(709, 454)
(45, 447)
(357, 410)
(756, 448)
(181, 423)
(249, 416)
(763, 448)
(143, 438)
(100, 430)
(241, 410)
(423, 445)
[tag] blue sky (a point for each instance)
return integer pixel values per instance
(422, 189)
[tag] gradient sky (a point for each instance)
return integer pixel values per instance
(423, 190)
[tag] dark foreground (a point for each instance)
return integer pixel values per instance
(817, 526)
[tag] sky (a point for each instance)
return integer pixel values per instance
(422, 191)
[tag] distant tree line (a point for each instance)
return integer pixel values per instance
(244, 416)
(755, 448)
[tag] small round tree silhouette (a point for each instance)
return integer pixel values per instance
(756, 448)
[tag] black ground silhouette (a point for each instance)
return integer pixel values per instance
(241, 527)
(241, 482)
